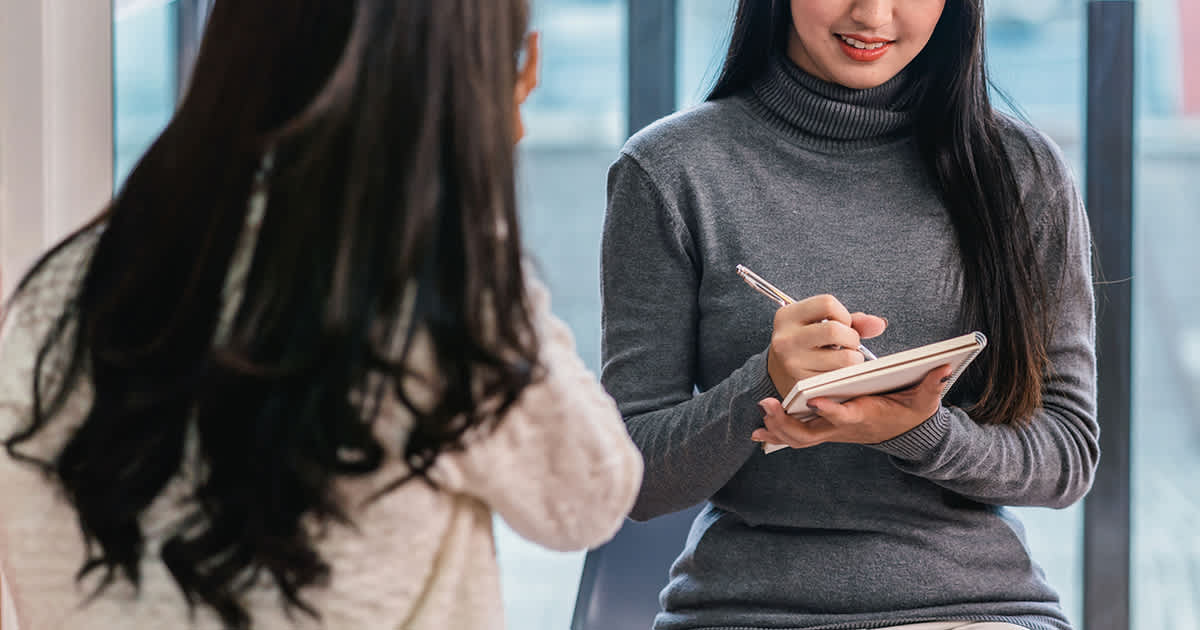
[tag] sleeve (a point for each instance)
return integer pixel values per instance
(559, 468)
(1050, 461)
(692, 444)
(28, 318)
(19, 345)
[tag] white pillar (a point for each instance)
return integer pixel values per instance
(56, 139)
(56, 121)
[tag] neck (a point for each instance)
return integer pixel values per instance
(831, 116)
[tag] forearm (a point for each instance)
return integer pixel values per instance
(1048, 463)
(560, 468)
(691, 444)
(694, 447)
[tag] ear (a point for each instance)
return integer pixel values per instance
(527, 76)
(527, 79)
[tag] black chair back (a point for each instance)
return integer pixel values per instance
(622, 578)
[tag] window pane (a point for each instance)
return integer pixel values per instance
(144, 54)
(704, 30)
(1036, 56)
(1166, 337)
(575, 125)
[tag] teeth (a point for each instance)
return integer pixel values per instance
(861, 45)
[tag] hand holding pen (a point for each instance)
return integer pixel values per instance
(812, 336)
(783, 299)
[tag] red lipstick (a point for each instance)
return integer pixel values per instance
(864, 54)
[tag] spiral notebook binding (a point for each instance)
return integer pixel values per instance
(981, 339)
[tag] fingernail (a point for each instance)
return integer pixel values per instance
(763, 407)
(885, 321)
(757, 439)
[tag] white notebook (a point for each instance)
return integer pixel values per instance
(889, 373)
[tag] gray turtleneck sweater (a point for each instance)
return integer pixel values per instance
(819, 189)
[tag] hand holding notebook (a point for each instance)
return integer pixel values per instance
(884, 375)
(888, 374)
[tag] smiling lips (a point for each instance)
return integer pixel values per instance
(863, 49)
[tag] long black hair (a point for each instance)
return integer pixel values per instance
(961, 142)
(390, 125)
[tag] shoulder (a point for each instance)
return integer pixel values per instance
(1023, 138)
(35, 308)
(59, 269)
(705, 130)
(696, 148)
(1039, 162)
(46, 287)
(1049, 192)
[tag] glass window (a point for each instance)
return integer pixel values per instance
(703, 38)
(575, 124)
(1036, 57)
(144, 77)
(1166, 337)
(1035, 53)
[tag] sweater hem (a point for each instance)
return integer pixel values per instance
(1029, 623)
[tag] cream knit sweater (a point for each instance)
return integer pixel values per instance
(560, 470)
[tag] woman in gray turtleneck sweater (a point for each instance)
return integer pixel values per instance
(849, 152)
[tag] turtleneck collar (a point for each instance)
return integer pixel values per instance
(829, 115)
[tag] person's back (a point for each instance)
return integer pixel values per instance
(291, 386)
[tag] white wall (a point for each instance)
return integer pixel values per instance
(55, 123)
(55, 132)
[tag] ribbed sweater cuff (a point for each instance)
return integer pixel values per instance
(919, 442)
(763, 387)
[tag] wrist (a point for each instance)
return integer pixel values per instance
(918, 442)
(779, 377)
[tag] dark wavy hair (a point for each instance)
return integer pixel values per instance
(961, 141)
(391, 128)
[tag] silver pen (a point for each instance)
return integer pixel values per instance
(782, 299)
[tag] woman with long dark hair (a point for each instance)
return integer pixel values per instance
(286, 378)
(849, 152)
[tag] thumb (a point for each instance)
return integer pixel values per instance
(772, 407)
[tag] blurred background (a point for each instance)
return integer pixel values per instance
(1036, 51)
